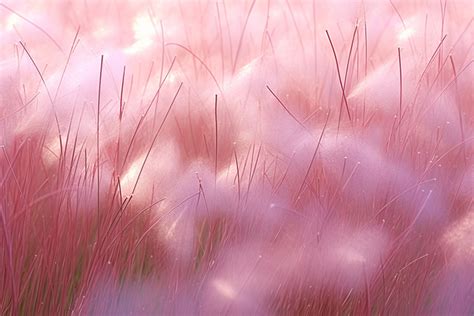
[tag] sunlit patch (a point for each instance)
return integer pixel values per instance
(370, 82)
(171, 77)
(139, 178)
(406, 33)
(459, 238)
(244, 73)
(354, 258)
(101, 31)
(11, 21)
(227, 175)
(171, 229)
(225, 289)
(144, 31)
(275, 13)
(130, 177)
(247, 69)
(51, 152)
(351, 255)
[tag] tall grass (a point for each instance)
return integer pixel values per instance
(247, 157)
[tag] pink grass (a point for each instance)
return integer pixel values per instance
(236, 158)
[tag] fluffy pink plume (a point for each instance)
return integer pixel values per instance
(251, 157)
